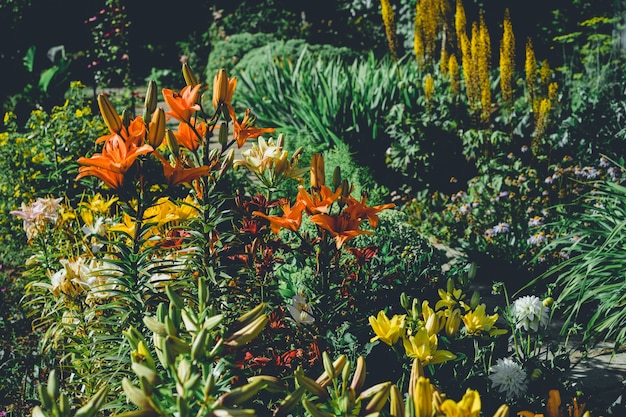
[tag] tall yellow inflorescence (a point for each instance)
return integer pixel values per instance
(453, 71)
(429, 88)
(418, 38)
(390, 27)
(507, 59)
(484, 67)
(470, 69)
(460, 23)
(530, 68)
(545, 75)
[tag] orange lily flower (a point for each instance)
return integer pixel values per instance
(115, 160)
(290, 220)
(360, 210)
(133, 135)
(553, 408)
(342, 228)
(190, 137)
(182, 105)
(178, 174)
(318, 202)
(243, 131)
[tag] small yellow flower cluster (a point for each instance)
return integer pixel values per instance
(420, 331)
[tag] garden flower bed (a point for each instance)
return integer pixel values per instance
(234, 246)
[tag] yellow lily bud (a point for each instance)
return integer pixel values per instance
(190, 78)
(396, 407)
(453, 322)
(358, 379)
(156, 133)
(338, 365)
(423, 398)
(109, 115)
(502, 411)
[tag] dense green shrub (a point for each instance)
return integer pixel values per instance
(226, 53)
(40, 161)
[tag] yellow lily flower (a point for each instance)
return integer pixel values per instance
(424, 347)
(478, 322)
(387, 330)
(469, 406)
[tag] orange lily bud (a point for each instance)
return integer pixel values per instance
(157, 129)
(318, 175)
(110, 116)
(223, 88)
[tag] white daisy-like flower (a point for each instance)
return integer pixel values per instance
(508, 377)
(529, 313)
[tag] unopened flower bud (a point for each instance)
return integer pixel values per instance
(223, 135)
(280, 142)
(150, 103)
(547, 302)
(536, 374)
(127, 116)
(156, 133)
(190, 78)
(450, 286)
(404, 300)
(337, 177)
(318, 174)
(475, 300)
(109, 115)
(172, 142)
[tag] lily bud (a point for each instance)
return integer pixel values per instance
(156, 133)
(404, 301)
(280, 142)
(109, 115)
(475, 300)
(223, 88)
(318, 174)
(223, 135)
(502, 411)
(423, 398)
(396, 406)
(150, 102)
(358, 379)
(188, 75)
(127, 116)
(337, 177)
(453, 323)
(172, 142)
(228, 160)
(547, 302)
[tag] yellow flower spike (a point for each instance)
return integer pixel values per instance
(109, 114)
(387, 330)
(423, 398)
